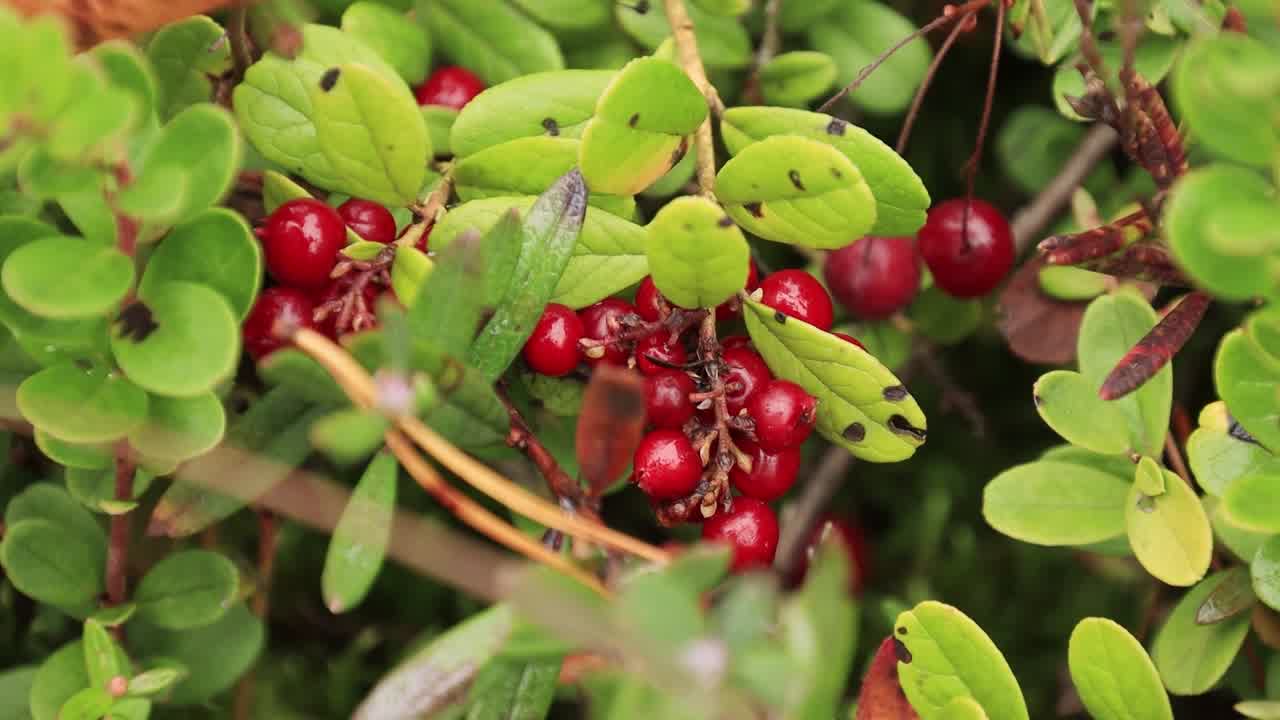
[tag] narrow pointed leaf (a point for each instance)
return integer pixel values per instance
(348, 436)
(102, 655)
(1191, 657)
(820, 629)
(447, 309)
(1156, 348)
(514, 690)
(359, 543)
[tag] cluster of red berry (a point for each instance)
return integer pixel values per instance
(967, 246)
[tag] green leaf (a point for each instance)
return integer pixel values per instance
(94, 126)
(156, 681)
(1192, 216)
(372, 133)
(792, 79)
(862, 407)
(659, 613)
(1191, 657)
(567, 15)
(47, 564)
(297, 372)
(60, 676)
(1252, 502)
(1069, 404)
(608, 257)
(439, 121)
(1227, 87)
(1052, 29)
(1232, 597)
(82, 405)
(1112, 325)
(797, 16)
(964, 708)
(202, 144)
(1265, 571)
(91, 703)
(795, 190)
(819, 633)
(409, 271)
(448, 309)
(697, 255)
(1069, 283)
(550, 233)
(495, 41)
(103, 657)
(96, 489)
(1149, 477)
(1153, 58)
(360, 539)
(128, 69)
(723, 42)
(1051, 502)
(944, 319)
(67, 277)
(1113, 674)
(48, 502)
(183, 55)
(214, 248)
(131, 709)
(1242, 542)
(215, 656)
(190, 589)
(1246, 378)
(854, 35)
(1034, 142)
(349, 436)
(1217, 459)
(401, 43)
(1259, 709)
(192, 347)
(949, 656)
(15, 692)
(514, 690)
(527, 166)
(95, 456)
(557, 103)
(1170, 533)
(641, 126)
(180, 428)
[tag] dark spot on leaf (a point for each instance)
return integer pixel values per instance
(329, 79)
(836, 126)
(1039, 401)
(631, 121)
(902, 426)
(1146, 503)
(451, 375)
(894, 393)
(550, 125)
(794, 176)
(754, 209)
(641, 6)
(902, 630)
(835, 172)
(901, 651)
(136, 322)
(725, 221)
(1237, 431)
(84, 364)
(688, 227)
(780, 316)
(854, 433)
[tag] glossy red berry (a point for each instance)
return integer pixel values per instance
(301, 242)
(666, 465)
(552, 347)
(784, 415)
(746, 375)
(647, 300)
(874, 277)
(854, 539)
(596, 321)
(658, 346)
(450, 86)
(276, 311)
(798, 294)
(850, 339)
(966, 264)
(735, 341)
(370, 220)
(730, 309)
(750, 528)
(666, 399)
(772, 473)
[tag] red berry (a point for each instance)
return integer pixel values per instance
(335, 290)
(746, 375)
(750, 528)
(784, 414)
(854, 540)
(729, 309)
(658, 346)
(772, 473)
(450, 86)
(874, 277)
(736, 341)
(798, 294)
(666, 465)
(666, 399)
(966, 264)
(647, 297)
(301, 242)
(552, 348)
(595, 325)
(850, 339)
(370, 220)
(276, 311)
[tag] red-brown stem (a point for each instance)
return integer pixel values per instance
(992, 74)
(929, 74)
(1256, 670)
(126, 227)
(1182, 425)
(118, 550)
(268, 537)
(1174, 456)
(522, 438)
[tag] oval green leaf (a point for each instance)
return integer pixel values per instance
(1247, 377)
(1265, 571)
(1253, 500)
(1228, 88)
(527, 166)
(82, 405)
(794, 78)
(1191, 657)
(1113, 674)
(184, 55)
(1056, 503)
(67, 277)
(95, 456)
(189, 589)
(698, 257)
(493, 40)
(1069, 404)
(214, 248)
(723, 42)
(215, 656)
(202, 144)
(557, 103)
(180, 428)
(189, 342)
(359, 543)
(50, 565)
(403, 44)
(348, 436)
(1170, 533)
(1217, 459)
(854, 35)
(62, 675)
(96, 489)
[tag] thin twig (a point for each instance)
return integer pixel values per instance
(238, 39)
(522, 438)
(770, 41)
(1034, 217)
(993, 72)
(268, 537)
(798, 522)
(954, 397)
(691, 61)
(1175, 460)
(929, 74)
(429, 212)
(117, 571)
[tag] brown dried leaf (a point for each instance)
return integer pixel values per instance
(610, 426)
(881, 697)
(1038, 328)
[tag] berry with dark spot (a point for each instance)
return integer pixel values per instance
(750, 529)
(301, 241)
(772, 473)
(968, 258)
(666, 399)
(798, 294)
(666, 465)
(450, 86)
(552, 348)
(596, 321)
(370, 220)
(784, 415)
(874, 277)
(277, 311)
(658, 346)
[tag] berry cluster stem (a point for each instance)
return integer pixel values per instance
(431, 210)
(691, 61)
(727, 453)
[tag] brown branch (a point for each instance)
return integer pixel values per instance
(976, 158)
(770, 41)
(1034, 217)
(268, 536)
(238, 38)
(691, 61)
(117, 570)
(798, 521)
(909, 122)
(1175, 460)
(522, 438)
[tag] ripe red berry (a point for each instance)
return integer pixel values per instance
(552, 348)
(750, 528)
(666, 465)
(735, 341)
(301, 241)
(850, 339)
(658, 346)
(450, 86)
(666, 399)
(784, 414)
(730, 309)
(772, 473)
(798, 294)
(854, 539)
(874, 277)
(595, 325)
(370, 220)
(966, 264)
(647, 296)
(747, 374)
(276, 311)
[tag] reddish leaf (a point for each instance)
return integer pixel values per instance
(1156, 348)
(881, 697)
(1038, 328)
(610, 426)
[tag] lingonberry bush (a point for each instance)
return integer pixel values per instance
(626, 288)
